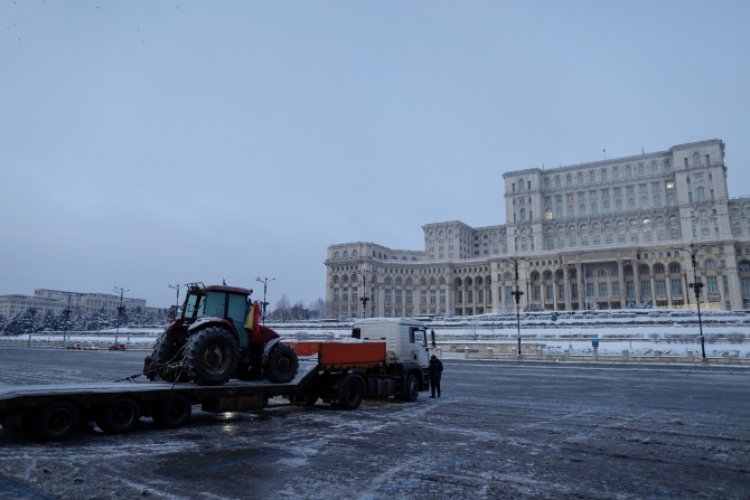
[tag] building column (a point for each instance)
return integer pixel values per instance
(581, 288)
(621, 280)
(668, 282)
(653, 290)
(637, 284)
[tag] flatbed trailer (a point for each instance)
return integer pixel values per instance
(341, 373)
(51, 412)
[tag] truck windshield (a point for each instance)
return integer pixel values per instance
(193, 303)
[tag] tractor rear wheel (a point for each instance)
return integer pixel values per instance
(281, 365)
(165, 353)
(212, 356)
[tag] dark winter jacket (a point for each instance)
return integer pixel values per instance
(436, 368)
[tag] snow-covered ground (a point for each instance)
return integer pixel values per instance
(642, 334)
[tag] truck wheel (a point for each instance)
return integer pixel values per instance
(301, 398)
(281, 365)
(166, 352)
(173, 411)
(350, 392)
(56, 421)
(410, 391)
(212, 356)
(119, 416)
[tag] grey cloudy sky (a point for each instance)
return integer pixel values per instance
(144, 143)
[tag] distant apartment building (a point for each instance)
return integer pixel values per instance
(57, 301)
(609, 234)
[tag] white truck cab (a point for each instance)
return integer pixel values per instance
(405, 338)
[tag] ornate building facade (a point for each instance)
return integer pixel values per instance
(604, 235)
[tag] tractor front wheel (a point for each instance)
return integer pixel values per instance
(212, 356)
(165, 359)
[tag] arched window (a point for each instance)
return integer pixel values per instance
(602, 273)
(557, 181)
(628, 171)
(335, 255)
(696, 159)
(658, 268)
(568, 180)
(603, 175)
(580, 179)
(522, 214)
(592, 177)
(521, 185)
(458, 282)
(710, 265)
(335, 279)
(700, 193)
(442, 280)
(744, 266)
(667, 165)
(616, 173)
(674, 268)
(628, 270)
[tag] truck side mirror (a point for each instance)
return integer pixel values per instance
(432, 337)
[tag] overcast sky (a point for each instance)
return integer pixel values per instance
(144, 143)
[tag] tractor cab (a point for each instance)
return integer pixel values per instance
(217, 301)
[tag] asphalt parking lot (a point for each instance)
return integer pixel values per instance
(502, 430)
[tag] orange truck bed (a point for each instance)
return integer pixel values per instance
(342, 354)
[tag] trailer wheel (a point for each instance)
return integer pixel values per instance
(56, 421)
(350, 392)
(282, 364)
(410, 391)
(119, 416)
(173, 411)
(212, 356)
(13, 422)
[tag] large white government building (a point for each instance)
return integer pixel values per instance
(604, 235)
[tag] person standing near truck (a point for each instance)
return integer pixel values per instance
(436, 371)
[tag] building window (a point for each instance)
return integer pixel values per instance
(603, 289)
(676, 287)
(712, 284)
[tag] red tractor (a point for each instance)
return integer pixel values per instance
(218, 336)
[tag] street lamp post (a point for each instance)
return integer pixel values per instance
(364, 298)
(265, 282)
(696, 285)
(66, 313)
(119, 312)
(517, 296)
(32, 313)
